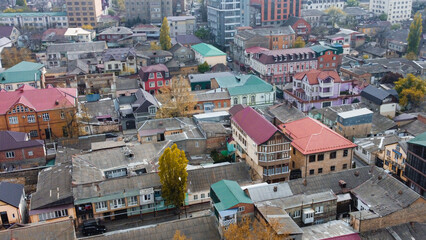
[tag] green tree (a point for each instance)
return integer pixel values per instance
(415, 33)
(111, 12)
(165, 41)
(411, 90)
(202, 68)
(299, 43)
(335, 14)
(383, 17)
(22, 3)
(352, 3)
(202, 33)
(173, 176)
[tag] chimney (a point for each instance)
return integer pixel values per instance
(342, 184)
(275, 188)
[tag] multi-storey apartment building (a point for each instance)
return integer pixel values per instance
(277, 66)
(181, 25)
(43, 113)
(149, 11)
(274, 12)
(415, 166)
(264, 147)
(322, 4)
(84, 12)
(320, 89)
(395, 10)
(316, 148)
(35, 20)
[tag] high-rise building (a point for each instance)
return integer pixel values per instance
(395, 10)
(148, 11)
(415, 165)
(274, 12)
(83, 12)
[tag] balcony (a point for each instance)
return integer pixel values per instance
(326, 84)
(276, 176)
(225, 223)
(267, 163)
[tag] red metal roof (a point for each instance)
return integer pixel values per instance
(314, 75)
(254, 125)
(311, 136)
(256, 49)
(155, 68)
(38, 99)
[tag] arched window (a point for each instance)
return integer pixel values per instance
(253, 100)
(245, 100)
(235, 101)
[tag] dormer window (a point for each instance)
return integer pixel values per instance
(159, 75)
(151, 76)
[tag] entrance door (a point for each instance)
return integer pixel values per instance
(4, 218)
(47, 132)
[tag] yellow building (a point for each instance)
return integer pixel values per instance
(12, 203)
(83, 12)
(394, 157)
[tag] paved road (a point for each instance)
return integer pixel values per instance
(358, 162)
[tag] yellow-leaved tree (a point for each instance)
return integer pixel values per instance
(255, 230)
(299, 43)
(154, 46)
(176, 100)
(165, 40)
(87, 27)
(336, 14)
(12, 56)
(411, 90)
(180, 236)
(173, 176)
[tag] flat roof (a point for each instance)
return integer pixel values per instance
(211, 114)
(354, 113)
(327, 230)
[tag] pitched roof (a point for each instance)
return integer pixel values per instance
(118, 54)
(155, 68)
(375, 94)
(207, 50)
(188, 39)
(5, 31)
(311, 136)
(419, 140)
(229, 194)
(38, 99)
(291, 21)
(54, 34)
(11, 193)
(97, 46)
(16, 140)
(235, 109)
(63, 230)
(255, 49)
(251, 121)
(244, 84)
(22, 72)
(206, 77)
(116, 30)
(314, 75)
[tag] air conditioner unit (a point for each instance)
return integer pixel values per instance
(39, 116)
(23, 116)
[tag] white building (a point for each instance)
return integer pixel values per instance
(181, 25)
(322, 4)
(35, 20)
(79, 35)
(396, 10)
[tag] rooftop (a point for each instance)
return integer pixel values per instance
(244, 84)
(207, 50)
(299, 199)
(187, 39)
(16, 140)
(269, 191)
(273, 212)
(6, 31)
(374, 94)
(22, 72)
(180, 18)
(11, 193)
(229, 194)
(313, 76)
(412, 230)
(116, 30)
(206, 77)
(63, 230)
(154, 126)
(328, 230)
(285, 112)
(419, 140)
(34, 14)
(267, 31)
(311, 136)
(355, 113)
(82, 47)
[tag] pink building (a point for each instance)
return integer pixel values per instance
(154, 77)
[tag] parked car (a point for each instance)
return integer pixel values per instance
(229, 59)
(92, 227)
(111, 135)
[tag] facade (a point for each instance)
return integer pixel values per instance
(154, 77)
(23, 73)
(114, 34)
(396, 11)
(321, 5)
(149, 11)
(79, 35)
(277, 66)
(282, 37)
(203, 81)
(380, 100)
(35, 20)
(416, 164)
(244, 40)
(329, 58)
(213, 100)
(355, 123)
(12, 203)
(314, 17)
(10, 32)
(275, 12)
(267, 152)
(18, 151)
(246, 89)
(300, 26)
(208, 53)
(319, 89)
(84, 12)
(121, 61)
(181, 25)
(395, 158)
(151, 31)
(316, 149)
(49, 116)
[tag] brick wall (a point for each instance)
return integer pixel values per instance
(23, 159)
(27, 177)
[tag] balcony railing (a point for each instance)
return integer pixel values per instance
(227, 222)
(326, 94)
(274, 160)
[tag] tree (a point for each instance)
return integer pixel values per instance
(335, 15)
(120, 4)
(383, 17)
(414, 35)
(411, 56)
(202, 68)
(165, 40)
(111, 12)
(395, 26)
(365, 56)
(22, 3)
(155, 46)
(180, 236)
(87, 27)
(12, 56)
(352, 3)
(173, 176)
(391, 77)
(203, 33)
(299, 43)
(411, 90)
(70, 117)
(176, 100)
(254, 230)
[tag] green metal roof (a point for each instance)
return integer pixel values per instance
(244, 84)
(230, 194)
(207, 50)
(34, 14)
(419, 140)
(21, 72)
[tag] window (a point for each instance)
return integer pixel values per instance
(30, 153)
(195, 197)
(132, 201)
(46, 116)
(320, 157)
(62, 115)
(116, 173)
(196, 144)
(51, 215)
(117, 203)
(10, 154)
(159, 75)
(152, 110)
(147, 197)
(319, 170)
(31, 118)
(345, 153)
(332, 168)
(101, 206)
(235, 101)
(33, 133)
(312, 172)
(151, 84)
(345, 166)
(160, 83)
(13, 120)
(203, 195)
(319, 209)
(312, 158)
(167, 82)
(296, 214)
(241, 209)
(151, 76)
(332, 155)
